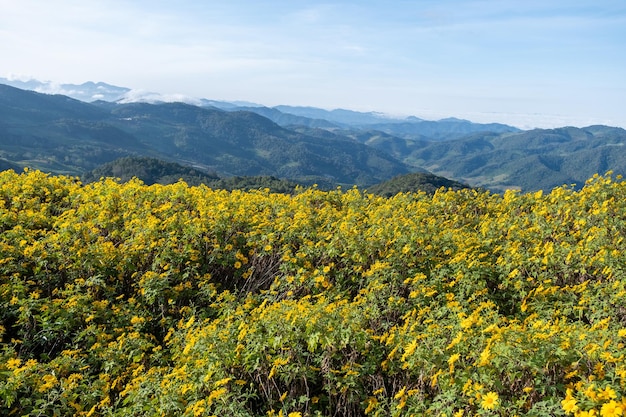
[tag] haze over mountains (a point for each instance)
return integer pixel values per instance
(102, 123)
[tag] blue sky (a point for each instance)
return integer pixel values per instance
(531, 63)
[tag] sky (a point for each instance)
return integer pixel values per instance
(530, 63)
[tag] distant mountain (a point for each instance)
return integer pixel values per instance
(287, 119)
(445, 129)
(306, 145)
(287, 116)
(91, 91)
(29, 107)
(228, 105)
(338, 116)
(245, 143)
(406, 126)
(530, 160)
(415, 182)
(58, 134)
(87, 92)
(393, 145)
(355, 123)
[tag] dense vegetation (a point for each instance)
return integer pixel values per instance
(269, 183)
(154, 171)
(149, 171)
(413, 183)
(128, 299)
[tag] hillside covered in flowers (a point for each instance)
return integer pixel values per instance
(135, 300)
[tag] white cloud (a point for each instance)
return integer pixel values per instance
(134, 96)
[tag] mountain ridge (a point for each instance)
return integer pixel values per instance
(59, 134)
(70, 136)
(93, 91)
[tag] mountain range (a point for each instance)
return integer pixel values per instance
(102, 123)
(58, 134)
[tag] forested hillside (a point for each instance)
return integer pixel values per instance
(128, 299)
(61, 135)
(539, 159)
(150, 171)
(414, 183)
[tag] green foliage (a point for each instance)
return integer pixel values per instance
(153, 171)
(149, 171)
(270, 183)
(413, 183)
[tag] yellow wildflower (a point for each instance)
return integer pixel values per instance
(400, 393)
(611, 409)
(49, 381)
(222, 381)
(452, 360)
(569, 405)
(607, 393)
(489, 401)
(216, 394)
(14, 363)
(371, 404)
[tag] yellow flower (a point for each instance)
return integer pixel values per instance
(222, 381)
(452, 360)
(489, 401)
(216, 394)
(468, 322)
(590, 392)
(49, 382)
(14, 363)
(607, 393)
(569, 405)
(371, 404)
(485, 357)
(611, 409)
(400, 393)
(408, 351)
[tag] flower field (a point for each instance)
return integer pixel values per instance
(134, 300)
